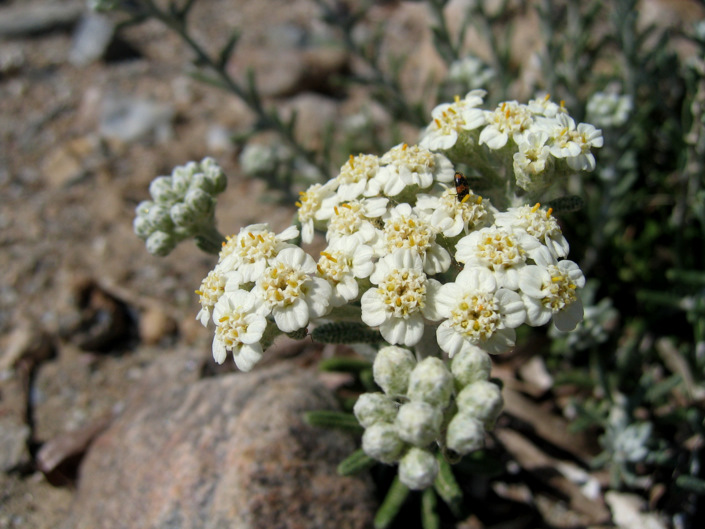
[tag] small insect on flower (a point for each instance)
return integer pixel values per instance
(461, 187)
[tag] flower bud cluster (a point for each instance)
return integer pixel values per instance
(423, 406)
(182, 205)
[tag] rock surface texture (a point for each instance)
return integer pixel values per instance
(231, 451)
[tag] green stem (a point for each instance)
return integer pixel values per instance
(210, 240)
(396, 496)
(266, 120)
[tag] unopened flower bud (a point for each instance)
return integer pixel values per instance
(159, 217)
(181, 177)
(465, 434)
(372, 408)
(183, 216)
(142, 209)
(431, 382)
(215, 177)
(160, 243)
(381, 442)
(161, 190)
(200, 202)
(483, 400)
(142, 227)
(470, 365)
(418, 423)
(392, 368)
(418, 469)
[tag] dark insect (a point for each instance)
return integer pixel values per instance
(461, 187)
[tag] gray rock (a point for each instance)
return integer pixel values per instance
(91, 39)
(13, 444)
(129, 119)
(25, 18)
(225, 452)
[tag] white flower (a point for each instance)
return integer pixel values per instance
(549, 289)
(212, 287)
(291, 292)
(539, 223)
(355, 220)
(405, 229)
(356, 177)
(450, 216)
(316, 204)
(573, 143)
(239, 327)
(470, 71)
(257, 158)
(543, 106)
(403, 297)
(506, 121)
(341, 264)
(478, 314)
(531, 160)
(452, 119)
(608, 109)
(501, 250)
(250, 251)
(412, 166)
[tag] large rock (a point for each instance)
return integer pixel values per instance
(226, 452)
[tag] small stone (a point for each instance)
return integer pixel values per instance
(130, 119)
(91, 39)
(24, 18)
(14, 436)
(71, 161)
(58, 459)
(25, 344)
(102, 320)
(155, 325)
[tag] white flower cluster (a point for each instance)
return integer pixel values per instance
(540, 138)
(182, 205)
(413, 253)
(423, 405)
(609, 109)
(470, 71)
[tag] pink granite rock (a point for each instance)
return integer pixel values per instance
(230, 451)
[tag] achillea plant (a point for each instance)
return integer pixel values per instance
(438, 273)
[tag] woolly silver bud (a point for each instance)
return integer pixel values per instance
(142, 227)
(431, 382)
(159, 217)
(381, 442)
(200, 202)
(470, 365)
(418, 469)
(465, 434)
(215, 177)
(372, 408)
(183, 216)
(482, 400)
(418, 423)
(391, 369)
(160, 243)
(181, 179)
(142, 209)
(162, 191)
